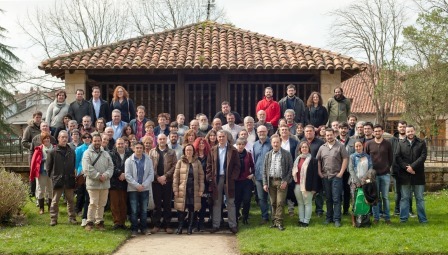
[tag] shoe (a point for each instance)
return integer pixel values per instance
(145, 232)
(214, 230)
(41, 203)
(134, 233)
(337, 224)
(169, 230)
(412, 215)
(89, 226)
(245, 222)
(83, 222)
(263, 222)
(376, 221)
(305, 225)
(234, 230)
(100, 226)
(53, 223)
(41, 211)
(73, 221)
(326, 222)
(280, 227)
(115, 226)
(273, 225)
(155, 230)
(397, 213)
(291, 214)
(388, 222)
(319, 215)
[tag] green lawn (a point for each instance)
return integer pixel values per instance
(37, 237)
(409, 238)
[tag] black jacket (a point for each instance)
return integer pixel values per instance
(115, 183)
(299, 109)
(78, 111)
(104, 111)
(415, 156)
(395, 141)
(61, 168)
(316, 116)
(126, 108)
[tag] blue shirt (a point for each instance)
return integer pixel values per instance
(222, 157)
(260, 150)
(118, 130)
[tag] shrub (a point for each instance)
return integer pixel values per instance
(13, 194)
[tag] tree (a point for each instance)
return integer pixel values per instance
(74, 25)
(150, 16)
(426, 82)
(7, 74)
(373, 28)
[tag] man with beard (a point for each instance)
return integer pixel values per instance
(352, 119)
(291, 101)
(368, 132)
(174, 144)
(289, 117)
(231, 127)
(217, 124)
(87, 126)
(332, 162)
(270, 106)
(359, 136)
(261, 116)
(225, 109)
(138, 124)
(204, 127)
(344, 139)
(411, 158)
(338, 107)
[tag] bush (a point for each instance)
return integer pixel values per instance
(13, 194)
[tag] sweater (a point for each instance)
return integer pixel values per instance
(381, 154)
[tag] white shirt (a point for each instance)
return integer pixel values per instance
(222, 157)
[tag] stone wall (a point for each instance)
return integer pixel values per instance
(328, 82)
(436, 176)
(73, 81)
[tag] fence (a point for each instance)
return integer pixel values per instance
(437, 150)
(12, 153)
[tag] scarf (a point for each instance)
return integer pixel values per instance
(303, 170)
(242, 155)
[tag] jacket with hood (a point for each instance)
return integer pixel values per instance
(30, 132)
(103, 166)
(55, 114)
(180, 180)
(272, 109)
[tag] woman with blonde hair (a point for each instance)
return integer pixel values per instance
(122, 102)
(189, 137)
(56, 111)
(188, 187)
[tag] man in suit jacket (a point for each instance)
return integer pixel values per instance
(100, 106)
(289, 144)
(223, 168)
(276, 177)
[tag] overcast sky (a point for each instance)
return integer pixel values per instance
(302, 21)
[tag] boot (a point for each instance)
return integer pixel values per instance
(49, 204)
(191, 222)
(200, 227)
(181, 218)
(41, 202)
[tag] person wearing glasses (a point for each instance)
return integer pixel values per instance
(122, 102)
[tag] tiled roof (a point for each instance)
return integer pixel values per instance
(355, 89)
(206, 45)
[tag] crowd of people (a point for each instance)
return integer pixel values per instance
(100, 153)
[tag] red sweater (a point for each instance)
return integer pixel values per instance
(272, 109)
(299, 167)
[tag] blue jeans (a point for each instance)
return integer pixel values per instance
(139, 206)
(406, 197)
(382, 184)
(333, 192)
(263, 200)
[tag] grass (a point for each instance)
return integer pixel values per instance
(409, 238)
(38, 237)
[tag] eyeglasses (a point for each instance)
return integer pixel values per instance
(87, 137)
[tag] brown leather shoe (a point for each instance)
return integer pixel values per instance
(100, 226)
(89, 226)
(169, 230)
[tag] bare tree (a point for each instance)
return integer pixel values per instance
(73, 25)
(373, 28)
(150, 16)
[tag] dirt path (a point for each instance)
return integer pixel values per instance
(197, 244)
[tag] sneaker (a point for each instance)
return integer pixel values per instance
(83, 222)
(73, 221)
(412, 215)
(264, 222)
(169, 230)
(134, 233)
(155, 230)
(397, 213)
(145, 232)
(291, 214)
(53, 223)
(388, 222)
(337, 224)
(234, 230)
(326, 222)
(376, 221)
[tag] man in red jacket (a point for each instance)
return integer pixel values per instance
(270, 106)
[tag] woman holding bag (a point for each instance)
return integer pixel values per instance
(188, 186)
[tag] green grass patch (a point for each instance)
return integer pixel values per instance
(409, 238)
(38, 237)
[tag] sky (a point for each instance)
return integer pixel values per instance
(302, 21)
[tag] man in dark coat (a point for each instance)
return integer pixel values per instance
(291, 101)
(80, 107)
(223, 168)
(100, 107)
(411, 158)
(61, 169)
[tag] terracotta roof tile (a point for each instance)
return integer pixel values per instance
(206, 45)
(355, 89)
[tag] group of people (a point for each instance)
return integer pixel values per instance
(112, 152)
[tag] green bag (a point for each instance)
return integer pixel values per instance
(360, 207)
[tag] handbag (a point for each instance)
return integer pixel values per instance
(81, 179)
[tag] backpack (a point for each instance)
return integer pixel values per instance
(361, 210)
